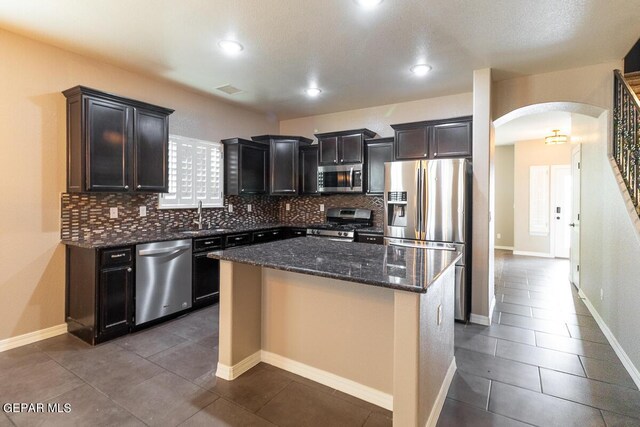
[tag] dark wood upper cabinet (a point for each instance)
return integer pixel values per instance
(109, 143)
(309, 169)
(377, 152)
(451, 140)
(433, 139)
(283, 154)
(328, 147)
(246, 167)
(115, 144)
(150, 158)
(342, 147)
(412, 143)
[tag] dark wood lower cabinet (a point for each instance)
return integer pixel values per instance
(116, 296)
(100, 292)
(100, 283)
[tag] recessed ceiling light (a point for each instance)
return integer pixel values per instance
(368, 4)
(230, 46)
(312, 91)
(420, 69)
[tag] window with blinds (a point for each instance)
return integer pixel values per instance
(539, 200)
(195, 174)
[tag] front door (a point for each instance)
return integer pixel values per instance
(574, 225)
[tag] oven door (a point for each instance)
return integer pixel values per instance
(340, 179)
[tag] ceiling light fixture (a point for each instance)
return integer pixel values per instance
(312, 92)
(420, 69)
(556, 138)
(230, 46)
(368, 4)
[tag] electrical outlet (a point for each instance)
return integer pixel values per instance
(321, 207)
(288, 207)
(230, 209)
(143, 211)
(439, 315)
(113, 213)
(249, 208)
(601, 294)
(499, 236)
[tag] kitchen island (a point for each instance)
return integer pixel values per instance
(372, 321)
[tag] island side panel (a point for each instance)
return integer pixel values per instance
(240, 318)
(339, 327)
(437, 364)
(423, 352)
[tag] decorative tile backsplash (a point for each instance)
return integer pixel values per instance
(85, 216)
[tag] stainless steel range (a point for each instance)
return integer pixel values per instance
(342, 223)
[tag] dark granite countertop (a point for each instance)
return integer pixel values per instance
(169, 234)
(402, 268)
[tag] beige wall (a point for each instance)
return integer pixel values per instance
(610, 238)
(504, 195)
(379, 118)
(527, 154)
(32, 165)
(589, 85)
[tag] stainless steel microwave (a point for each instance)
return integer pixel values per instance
(340, 179)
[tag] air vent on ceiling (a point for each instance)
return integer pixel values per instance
(229, 90)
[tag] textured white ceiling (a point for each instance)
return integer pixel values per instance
(358, 57)
(533, 126)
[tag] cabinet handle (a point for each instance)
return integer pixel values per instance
(424, 155)
(238, 238)
(126, 187)
(260, 235)
(242, 189)
(335, 161)
(118, 255)
(129, 270)
(435, 154)
(139, 186)
(209, 242)
(341, 160)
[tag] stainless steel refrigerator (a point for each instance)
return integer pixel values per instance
(427, 205)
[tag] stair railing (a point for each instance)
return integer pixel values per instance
(626, 135)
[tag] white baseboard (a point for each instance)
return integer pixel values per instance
(479, 319)
(538, 254)
(624, 358)
(353, 388)
(31, 337)
(432, 421)
(229, 373)
(504, 248)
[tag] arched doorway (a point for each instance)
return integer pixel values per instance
(542, 218)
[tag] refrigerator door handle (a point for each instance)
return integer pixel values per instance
(419, 202)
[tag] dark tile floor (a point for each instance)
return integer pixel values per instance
(543, 362)
(164, 376)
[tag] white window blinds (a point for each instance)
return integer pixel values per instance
(195, 174)
(539, 200)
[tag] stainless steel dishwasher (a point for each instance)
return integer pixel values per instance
(163, 279)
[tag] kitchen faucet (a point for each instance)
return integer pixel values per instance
(199, 221)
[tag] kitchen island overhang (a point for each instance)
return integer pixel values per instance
(372, 321)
